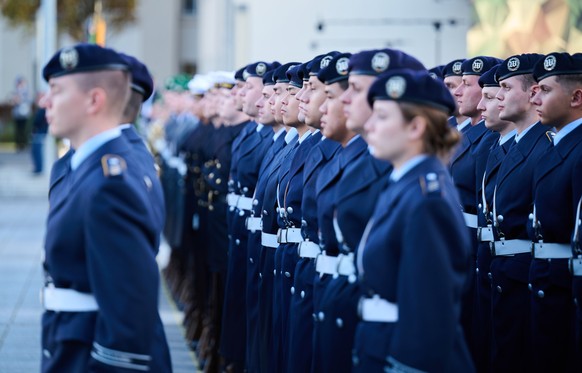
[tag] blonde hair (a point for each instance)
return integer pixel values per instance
(440, 138)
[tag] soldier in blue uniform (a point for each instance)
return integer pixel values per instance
(271, 353)
(511, 204)
(467, 161)
(322, 151)
(414, 257)
(247, 157)
(557, 191)
(490, 113)
(106, 224)
(453, 77)
(253, 225)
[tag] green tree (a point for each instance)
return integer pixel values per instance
(71, 14)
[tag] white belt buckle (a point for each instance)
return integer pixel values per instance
(377, 309)
(470, 220)
(308, 249)
(254, 223)
(486, 234)
(576, 266)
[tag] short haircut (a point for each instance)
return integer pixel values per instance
(114, 83)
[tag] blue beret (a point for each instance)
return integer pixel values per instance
(437, 72)
(520, 64)
(375, 62)
(336, 70)
(280, 74)
(558, 64)
(83, 58)
(293, 76)
(478, 65)
(320, 62)
(303, 72)
(488, 78)
(268, 77)
(453, 68)
(239, 74)
(257, 69)
(415, 86)
(141, 80)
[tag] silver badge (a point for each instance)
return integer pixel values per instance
(341, 66)
(395, 87)
(457, 67)
(433, 75)
(380, 62)
(325, 62)
(245, 74)
(477, 65)
(261, 69)
(513, 64)
(69, 58)
(550, 63)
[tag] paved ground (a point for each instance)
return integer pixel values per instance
(23, 208)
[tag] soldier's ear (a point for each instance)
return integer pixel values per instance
(97, 100)
(576, 100)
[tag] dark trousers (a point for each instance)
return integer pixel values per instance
(20, 133)
(37, 151)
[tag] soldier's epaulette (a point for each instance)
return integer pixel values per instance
(550, 135)
(113, 165)
(430, 184)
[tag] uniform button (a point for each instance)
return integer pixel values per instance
(541, 293)
(530, 216)
(211, 175)
(265, 213)
(480, 206)
(321, 316)
(218, 181)
(477, 270)
(292, 290)
(251, 260)
(290, 210)
(46, 353)
(237, 242)
(287, 274)
(529, 287)
(303, 223)
(218, 165)
(352, 278)
(339, 322)
(241, 213)
(260, 275)
(255, 202)
(231, 208)
(489, 275)
(500, 218)
(275, 272)
(277, 210)
(245, 189)
(302, 294)
(499, 289)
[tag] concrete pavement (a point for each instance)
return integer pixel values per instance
(23, 209)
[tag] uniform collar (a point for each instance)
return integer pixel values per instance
(464, 124)
(508, 136)
(353, 139)
(305, 136)
(397, 174)
(566, 130)
(260, 126)
(519, 136)
(278, 133)
(291, 134)
(91, 145)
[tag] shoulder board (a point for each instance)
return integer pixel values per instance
(113, 165)
(550, 135)
(430, 184)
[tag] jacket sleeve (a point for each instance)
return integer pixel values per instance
(123, 275)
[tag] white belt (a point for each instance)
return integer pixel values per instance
(269, 240)
(326, 264)
(511, 247)
(470, 220)
(245, 203)
(576, 266)
(67, 300)
(289, 235)
(231, 199)
(544, 250)
(308, 249)
(346, 265)
(485, 234)
(254, 223)
(378, 310)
